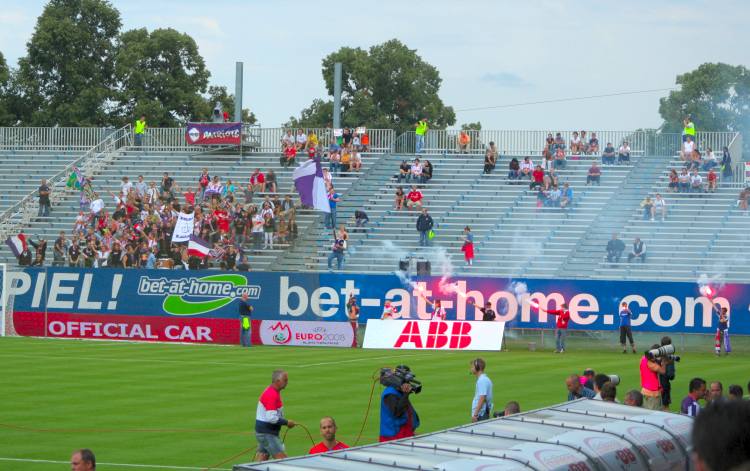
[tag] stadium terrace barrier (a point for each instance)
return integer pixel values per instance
(38, 296)
(580, 435)
(13, 219)
(510, 142)
(52, 138)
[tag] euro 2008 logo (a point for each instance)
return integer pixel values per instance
(281, 333)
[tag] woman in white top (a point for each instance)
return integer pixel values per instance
(660, 206)
(709, 160)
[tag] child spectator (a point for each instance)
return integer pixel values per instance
(468, 246)
(414, 198)
(346, 160)
(711, 177)
(566, 198)
(594, 175)
(334, 158)
(365, 142)
(312, 140)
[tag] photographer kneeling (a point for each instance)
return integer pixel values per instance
(398, 419)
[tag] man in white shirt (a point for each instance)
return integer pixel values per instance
(527, 167)
(257, 230)
(301, 139)
(125, 187)
(660, 206)
(481, 404)
(287, 140)
(696, 182)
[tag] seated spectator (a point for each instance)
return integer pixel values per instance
(639, 250)
(427, 171)
(609, 392)
(514, 169)
(660, 206)
(673, 181)
(399, 199)
(553, 197)
(742, 199)
(257, 181)
(334, 157)
(312, 140)
(594, 175)
(709, 160)
(615, 248)
(346, 160)
(696, 182)
(300, 140)
(271, 182)
(404, 171)
(356, 144)
(462, 142)
(683, 181)
(711, 178)
(584, 142)
(490, 159)
(576, 145)
(287, 140)
(623, 153)
(688, 147)
(360, 220)
(559, 143)
(560, 161)
(648, 209)
(566, 197)
(356, 162)
(415, 173)
(527, 168)
(288, 157)
(633, 398)
(576, 390)
(593, 144)
(414, 198)
(694, 163)
(608, 156)
(537, 178)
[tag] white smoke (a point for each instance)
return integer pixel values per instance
(520, 289)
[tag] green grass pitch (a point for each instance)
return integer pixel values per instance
(171, 406)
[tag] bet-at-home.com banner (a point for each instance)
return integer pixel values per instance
(201, 306)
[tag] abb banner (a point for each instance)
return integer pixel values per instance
(434, 335)
(139, 328)
(303, 333)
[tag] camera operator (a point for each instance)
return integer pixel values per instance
(398, 419)
(651, 368)
(481, 404)
(665, 379)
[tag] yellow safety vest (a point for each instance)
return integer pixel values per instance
(245, 322)
(421, 128)
(140, 127)
(689, 129)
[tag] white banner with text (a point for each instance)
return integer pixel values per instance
(434, 335)
(303, 333)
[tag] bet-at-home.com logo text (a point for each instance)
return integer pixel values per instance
(187, 296)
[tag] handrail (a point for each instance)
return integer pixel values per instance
(10, 221)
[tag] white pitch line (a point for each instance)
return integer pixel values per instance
(124, 465)
(359, 359)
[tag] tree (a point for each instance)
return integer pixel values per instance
(160, 75)
(66, 76)
(472, 126)
(717, 96)
(5, 115)
(220, 94)
(389, 86)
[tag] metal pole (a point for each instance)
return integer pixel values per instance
(238, 93)
(337, 95)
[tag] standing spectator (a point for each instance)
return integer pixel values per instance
(44, 201)
(352, 312)
(696, 390)
(333, 199)
(639, 250)
(688, 131)
(404, 171)
(726, 164)
(245, 312)
(615, 248)
(623, 153)
(346, 138)
(481, 404)
(398, 201)
(139, 130)
(365, 142)
(125, 187)
(414, 198)
(424, 225)
(269, 418)
(735, 392)
(468, 246)
(41, 252)
(257, 231)
(334, 157)
(140, 187)
(490, 159)
(328, 432)
(74, 255)
(527, 167)
(648, 208)
(650, 370)
(420, 131)
(715, 392)
(59, 250)
(561, 325)
(594, 175)
(626, 316)
(660, 206)
(609, 392)
(269, 227)
(608, 156)
(719, 437)
(462, 143)
(337, 252)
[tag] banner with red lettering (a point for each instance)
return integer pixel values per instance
(303, 333)
(203, 134)
(434, 335)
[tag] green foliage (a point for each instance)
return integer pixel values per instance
(221, 95)
(472, 126)
(717, 96)
(66, 77)
(389, 86)
(6, 118)
(161, 75)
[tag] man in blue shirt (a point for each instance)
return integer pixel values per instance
(245, 310)
(576, 390)
(333, 198)
(481, 404)
(625, 327)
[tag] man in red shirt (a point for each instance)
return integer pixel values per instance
(712, 180)
(328, 432)
(561, 326)
(414, 198)
(258, 181)
(537, 177)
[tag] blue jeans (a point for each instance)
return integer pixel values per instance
(560, 335)
(245, 337)
(420, 143)
(330, 219)
(335, 167)
(139, 139)
(560, 163)
(43, 210)
(339, 256)
(424, 241)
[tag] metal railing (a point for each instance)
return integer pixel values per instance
(52, 138)
(511, 142)
(13, 219)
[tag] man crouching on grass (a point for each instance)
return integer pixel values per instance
(269, 418)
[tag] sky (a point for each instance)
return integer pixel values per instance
(489, 53)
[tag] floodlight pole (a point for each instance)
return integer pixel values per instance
(238, 93)
(337, 95)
